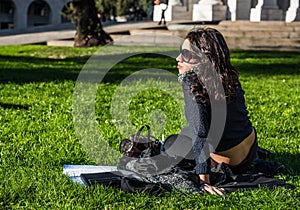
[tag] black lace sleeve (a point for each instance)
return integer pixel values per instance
(198, 117)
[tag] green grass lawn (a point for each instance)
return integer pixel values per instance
(38, 134)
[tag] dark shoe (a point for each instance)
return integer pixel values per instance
(159, 23)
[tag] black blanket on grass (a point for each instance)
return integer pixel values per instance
(156, 174)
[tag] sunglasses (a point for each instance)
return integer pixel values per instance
(187, 56)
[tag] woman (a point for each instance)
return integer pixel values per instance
(163, 4)
(204, 64)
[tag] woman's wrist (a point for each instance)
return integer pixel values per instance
(204, 178)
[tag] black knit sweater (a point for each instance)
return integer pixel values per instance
(198, 115)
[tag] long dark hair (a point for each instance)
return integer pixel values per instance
(210, 45)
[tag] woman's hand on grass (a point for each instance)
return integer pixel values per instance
(204, 179)
(213, 190)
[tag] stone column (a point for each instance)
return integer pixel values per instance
(209, 10)
(231, 13)
(55, 14)
(239, 9)
(293, 13)
(243, 9)
(270, 11)
(21, 15)
(266, 10)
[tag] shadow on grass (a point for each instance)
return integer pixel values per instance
(242, 54)
(290, 161)
(269, 69)
(13, 106)
(26, 69)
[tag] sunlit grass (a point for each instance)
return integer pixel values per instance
(38, 135)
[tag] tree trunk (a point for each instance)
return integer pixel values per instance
(89, 31)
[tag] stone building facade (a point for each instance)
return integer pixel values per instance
(25, 15)
(252, 10)
(19, 15)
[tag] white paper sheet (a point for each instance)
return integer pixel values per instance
(74, 171)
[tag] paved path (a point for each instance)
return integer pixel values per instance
(269, 35)
(52, 36)
(32, 38)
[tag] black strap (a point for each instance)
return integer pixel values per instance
(140, 130)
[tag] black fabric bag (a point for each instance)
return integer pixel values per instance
(144, 154)
(138, 145)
